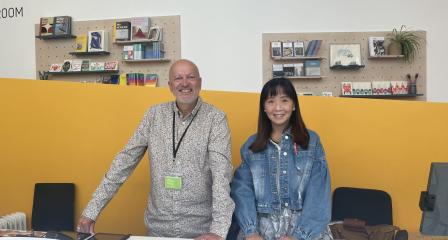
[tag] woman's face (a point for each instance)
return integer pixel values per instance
(279, 109)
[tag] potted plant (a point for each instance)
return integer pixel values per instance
(404, 43)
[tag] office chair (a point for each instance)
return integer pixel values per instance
(53, 207)
(370, 205)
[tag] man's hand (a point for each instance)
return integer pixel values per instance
(209, 236)
(85, 225)
(254, 236)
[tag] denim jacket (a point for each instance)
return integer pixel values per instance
(301, 176)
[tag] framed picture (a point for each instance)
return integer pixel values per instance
(345, 55)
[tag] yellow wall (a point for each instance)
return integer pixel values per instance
(69, 132)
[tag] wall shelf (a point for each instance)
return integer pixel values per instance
(383, 96)
(304, 77)
(135, 41)
(348, 67)
(89, 53)
(298, 58)
(70, 36)
(82, 72)
(149, 60)
(386, 57)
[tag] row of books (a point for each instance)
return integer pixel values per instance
(375, 88)
(52, 26)
(140, 51)
(83, 65)
(306, 68)
(94, 41)
(295, 49)
(140, 79)
(138, 28)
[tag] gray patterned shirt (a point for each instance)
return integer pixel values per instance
(203, 162)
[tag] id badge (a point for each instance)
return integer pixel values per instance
(173, 183)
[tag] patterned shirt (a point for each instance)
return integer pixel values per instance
(203, 162)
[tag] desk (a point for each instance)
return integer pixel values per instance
(419, 236)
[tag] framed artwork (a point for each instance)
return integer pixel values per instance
(345, 55)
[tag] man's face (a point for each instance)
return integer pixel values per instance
(185, 82)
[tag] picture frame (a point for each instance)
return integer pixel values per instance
(345, 55)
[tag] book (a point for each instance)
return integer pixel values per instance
(381, 88)
(122, 31)
(155, 34)
(66, 66)
(298, 69)
(376, 46)
(128, 52)
(399, 87)
(287, 49)
(62, 25)
(289, 70)
(309, 47)
(55, 67)
(276, 49)
(139, 51)
(85, 65)
(312, 68)
(46, 26)
(361, 88)
(346, 88)
(96, 66)
(76, 65)
(140, 28)
(299, 49)
(81, 43)
(151, 80)
(315, 47)
(98, 41)
(277, 70)
(111, 65)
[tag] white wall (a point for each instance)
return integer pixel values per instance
(224, 37)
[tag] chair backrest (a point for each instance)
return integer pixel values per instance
(370, 205)
(53, 207)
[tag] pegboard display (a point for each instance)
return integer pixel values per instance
(50, 51)
(381, 69)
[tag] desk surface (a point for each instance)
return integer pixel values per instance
(419, 236)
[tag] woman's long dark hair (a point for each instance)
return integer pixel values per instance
(298, 129)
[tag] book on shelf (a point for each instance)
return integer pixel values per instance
(288, 70)
(309, 47)
(154, 51)
(98, 41)
(151, 80)
(381, 88)
(128, 52)
(121, 31)
(96, 66)
(55, 67)
(276, 49)
(277, 70)
(155, 34)
(316, 47)
(298, 69)
(399, 87)
(85, 65)
(62, 25)
(376, 46)
(46, 26)
(139, 51)
(66, 66)
(346, 88)
(299, 49)
(312, 68)
(76, 65)
(362, 88)
(140, 28)
(81, 43)
(287, 49)
(111, 65)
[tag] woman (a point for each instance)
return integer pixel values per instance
(282, 187)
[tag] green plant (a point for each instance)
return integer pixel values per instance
(410, 42)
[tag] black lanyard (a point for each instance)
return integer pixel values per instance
(183, 135)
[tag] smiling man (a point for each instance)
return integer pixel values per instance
(188, 143)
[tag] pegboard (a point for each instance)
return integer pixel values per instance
(384, 69)
(50, 51)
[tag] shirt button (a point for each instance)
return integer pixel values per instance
(284, 172)
(285, 153)
(286, 137)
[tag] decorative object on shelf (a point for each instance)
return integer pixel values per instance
(55, 67)
(81, 43)
(155, 34)
(412, 83)
(346, 88)
(376, 46)
(98, 41)
(405, 43)
(345, 56)
(361, 88)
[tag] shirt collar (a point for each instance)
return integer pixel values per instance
(195, 109)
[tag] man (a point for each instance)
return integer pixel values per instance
(188, 143)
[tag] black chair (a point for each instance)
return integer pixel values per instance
(370, 205)
(53, 207)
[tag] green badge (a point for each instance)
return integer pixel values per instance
(174, 183)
